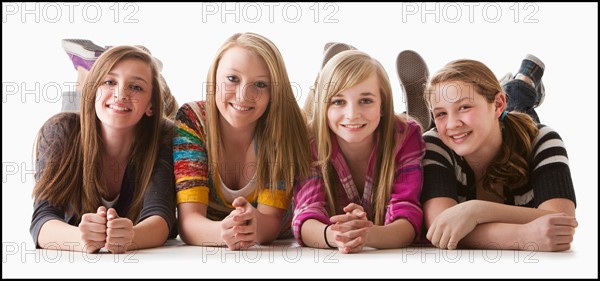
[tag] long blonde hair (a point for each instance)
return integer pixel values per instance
(343, 71)
(281, 134)
(73, 176)
(510, 166)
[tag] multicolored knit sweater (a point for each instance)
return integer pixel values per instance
(191, 164)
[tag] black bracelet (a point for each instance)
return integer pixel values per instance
(325, 236)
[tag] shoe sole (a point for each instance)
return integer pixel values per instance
(335, 49)
(413, 74)
(85, 49)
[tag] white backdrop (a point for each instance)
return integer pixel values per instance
(185, 37)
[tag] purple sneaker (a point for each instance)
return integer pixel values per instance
(82, 52)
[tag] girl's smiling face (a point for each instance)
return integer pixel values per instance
(243, 87)
(465, 120)
(354, 114)
(125, 95)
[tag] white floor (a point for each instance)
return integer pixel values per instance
(285, 259)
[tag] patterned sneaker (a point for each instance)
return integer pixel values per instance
(334, 48)
(533, 68)
(413, 74)
(82, 52)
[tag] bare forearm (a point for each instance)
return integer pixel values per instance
(504, 236)
(398, 234)
(312, 234)
(198, 230)
(56, 234)
(486, 212)
(268, 228)
(552, 232)
(151, 232)
(499, 226)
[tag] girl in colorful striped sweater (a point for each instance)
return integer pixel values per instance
(365, 191)
(494, 179)
(237, 154)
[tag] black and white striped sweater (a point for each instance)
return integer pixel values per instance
(447, 174)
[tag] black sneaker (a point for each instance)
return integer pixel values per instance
(533, 68)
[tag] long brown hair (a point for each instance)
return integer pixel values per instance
(344, 71)
(281, 134)
(73, 176)
(510, 167)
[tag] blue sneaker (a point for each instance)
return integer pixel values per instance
(533, 68)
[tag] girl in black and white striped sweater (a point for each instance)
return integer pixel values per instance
(493, 178)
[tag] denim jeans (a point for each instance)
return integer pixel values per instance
(521, 97)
